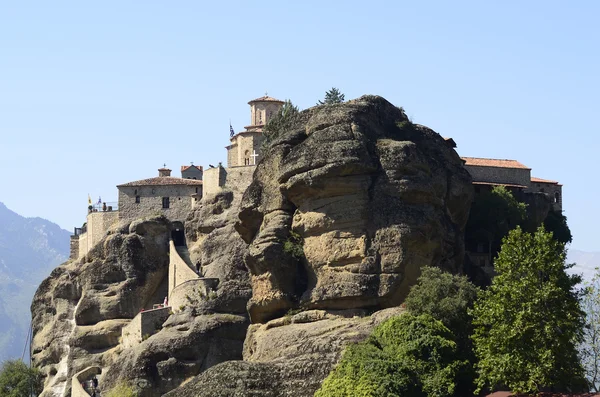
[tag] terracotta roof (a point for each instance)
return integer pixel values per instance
(265, 99)
(499, 184)
(540, 180)
(162, 181)
(499, 163)
(185, 167)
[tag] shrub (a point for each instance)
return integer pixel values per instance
(405, 356)
(17, 379)
(294, 245)
(122, 389)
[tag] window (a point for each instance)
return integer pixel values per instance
(196, 190)
(137, 199)
(135, 192)
(165, 202)
(556, 197)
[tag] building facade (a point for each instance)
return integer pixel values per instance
(166, 195)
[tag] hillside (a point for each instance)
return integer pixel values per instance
(29, 249)
(585, 262)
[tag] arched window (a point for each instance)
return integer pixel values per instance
(556, 197)
(247, 157)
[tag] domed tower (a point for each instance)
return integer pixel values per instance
(245, 146)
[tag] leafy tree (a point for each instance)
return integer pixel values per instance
(447, 297)
(528, 323)
(332, 96)
(493, 214)
(405, 356)
(556, 223)
(280, 122)
(590, 346)
(18, 380)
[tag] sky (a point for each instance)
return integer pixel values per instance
(95, 94)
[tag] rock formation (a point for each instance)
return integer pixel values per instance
(372, 196)
(344, 209)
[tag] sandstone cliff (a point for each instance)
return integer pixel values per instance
(344, 209)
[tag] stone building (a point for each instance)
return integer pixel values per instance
(243, 152)
(191, 172)
(245, 146)
(164, 195)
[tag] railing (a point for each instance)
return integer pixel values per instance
(104, 206)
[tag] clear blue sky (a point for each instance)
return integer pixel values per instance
(94, 94)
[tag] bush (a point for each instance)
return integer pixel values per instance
(122, 389)
(405, 356)
(448, 298)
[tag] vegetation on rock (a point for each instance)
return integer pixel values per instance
(556, 223)
(406, 355)
(280, 122)
(18, 380)
(332, 96)
(528, 323)
(122, 390)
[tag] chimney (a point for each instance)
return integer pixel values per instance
(164, 172)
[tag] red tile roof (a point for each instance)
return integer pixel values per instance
(185, 167)
(499, 163)
(265, 99)
(162, 181)
(540, 180)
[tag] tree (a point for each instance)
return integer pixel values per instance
(280, 122)
(448, 298)
(556, 223)
(590, 346)
(18, 380)
(528, 323)
(332, 96)
(405, 356)
(493, 214)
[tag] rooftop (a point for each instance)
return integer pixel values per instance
(499, 163)
(540, 180)
(265, 99)
(162, 181)
(186, 167)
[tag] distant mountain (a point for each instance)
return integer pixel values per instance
(586, 263)
(29, 249)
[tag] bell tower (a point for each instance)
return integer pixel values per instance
(244, 149)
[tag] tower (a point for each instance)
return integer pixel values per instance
(244, 149)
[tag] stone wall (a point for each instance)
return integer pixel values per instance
(515, 176)
(553, 190)
(236, 179)
(179, 271)
(151, 201)
(74, 247)
(191, 292)
(242, 147)
(98, 224)
(143, 325)
(80, 377)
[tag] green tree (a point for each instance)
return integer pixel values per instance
(332, 96)
(405, 356)
(280, 122)
(556, 223)
(18, 380)
(448, 298)
(528, 323)
(590, 346)
(493, 214)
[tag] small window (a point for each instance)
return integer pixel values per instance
(135, 192)
(137, 199)
(556, 197)
(196, 190)
(165, 201)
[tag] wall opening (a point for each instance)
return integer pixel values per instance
(178, 234)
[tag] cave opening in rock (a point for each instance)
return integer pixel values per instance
(178, 234)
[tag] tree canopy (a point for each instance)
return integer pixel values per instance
(405, 356)
(18, 380)
(528, 323)
(280, 122)
(331, 97)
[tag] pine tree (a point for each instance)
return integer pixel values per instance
(332, 96)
